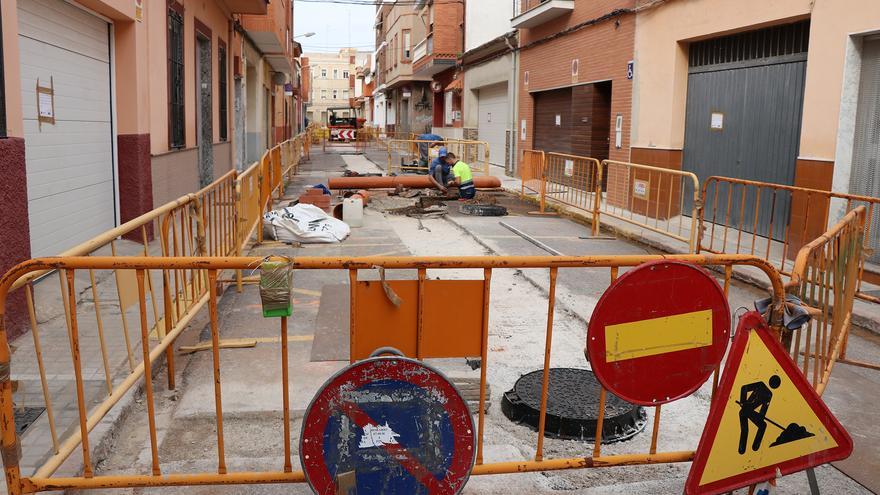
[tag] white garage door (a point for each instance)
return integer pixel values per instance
(70, 173)
(494, 106)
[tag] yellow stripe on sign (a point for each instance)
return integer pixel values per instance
(658, 336)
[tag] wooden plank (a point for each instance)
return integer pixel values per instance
(224, 344)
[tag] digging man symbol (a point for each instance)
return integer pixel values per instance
(754, 400)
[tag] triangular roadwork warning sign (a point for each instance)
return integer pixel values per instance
(764, 416)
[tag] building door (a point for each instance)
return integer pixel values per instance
(69, 156)
(865, 177)
(743, 120)
(403, 121)
(553, 121)
(204, 109)
(492, 126)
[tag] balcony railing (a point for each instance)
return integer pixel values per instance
(536, 12)
(423, 49)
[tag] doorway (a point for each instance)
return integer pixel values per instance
(743, 120)
(204, 110)
(404, 116)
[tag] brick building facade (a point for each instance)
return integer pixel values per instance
(573, 82)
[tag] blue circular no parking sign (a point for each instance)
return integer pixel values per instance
(388, 425)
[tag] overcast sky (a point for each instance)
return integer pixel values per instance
(335, 26)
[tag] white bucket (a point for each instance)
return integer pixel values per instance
(353, 212)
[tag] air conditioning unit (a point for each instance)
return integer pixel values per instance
(456, 115)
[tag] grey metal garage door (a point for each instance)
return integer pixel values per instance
(744, 106)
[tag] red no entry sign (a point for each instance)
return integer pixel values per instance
(658, 332)
(388, 425)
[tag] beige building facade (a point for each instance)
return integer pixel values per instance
(332, 83)
(408, 98)
(804, 77)
(114, 107)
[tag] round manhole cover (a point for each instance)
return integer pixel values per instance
(572, 407)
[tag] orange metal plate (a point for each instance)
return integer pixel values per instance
(451, 321)
(452, 318)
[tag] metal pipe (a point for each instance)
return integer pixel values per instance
(411, 181)
(531, 239)
(581, 463)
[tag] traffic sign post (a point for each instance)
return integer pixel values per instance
(388, 425)
(658, 332)
(764, 417)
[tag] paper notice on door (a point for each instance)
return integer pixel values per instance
(717, 122)
(640, 189)
(46, 109)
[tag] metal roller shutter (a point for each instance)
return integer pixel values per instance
(744, 105)
(494, 111)
(865, 178)
(70, 171)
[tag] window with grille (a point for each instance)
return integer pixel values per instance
(771, 42)
(221, 86)
(176, 116)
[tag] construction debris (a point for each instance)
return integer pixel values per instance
(417, 211)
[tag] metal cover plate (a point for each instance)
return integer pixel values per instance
(387, 425)
(658, 332)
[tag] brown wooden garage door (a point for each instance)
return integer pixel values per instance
(552, 107)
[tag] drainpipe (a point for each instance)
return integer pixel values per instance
(513, 114)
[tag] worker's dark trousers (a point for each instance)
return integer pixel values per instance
(744, 418)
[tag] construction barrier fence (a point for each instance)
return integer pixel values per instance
(193, 283)
(532, 174)
(216, 221)
(826, 277)
(659, 200)
(774, 221)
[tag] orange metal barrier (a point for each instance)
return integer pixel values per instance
(216, 221)
(825, 277)
(660, 200)
(653, 198)
(207, 270)
(531, 171)
(774, 220)
(574, 181)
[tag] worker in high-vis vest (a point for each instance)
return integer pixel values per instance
(461, 177)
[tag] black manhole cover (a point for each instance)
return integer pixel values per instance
(572, 407)
(25, 416)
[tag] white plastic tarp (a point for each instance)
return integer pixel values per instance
(304, 223)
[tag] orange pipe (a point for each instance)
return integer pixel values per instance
(411, 181)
